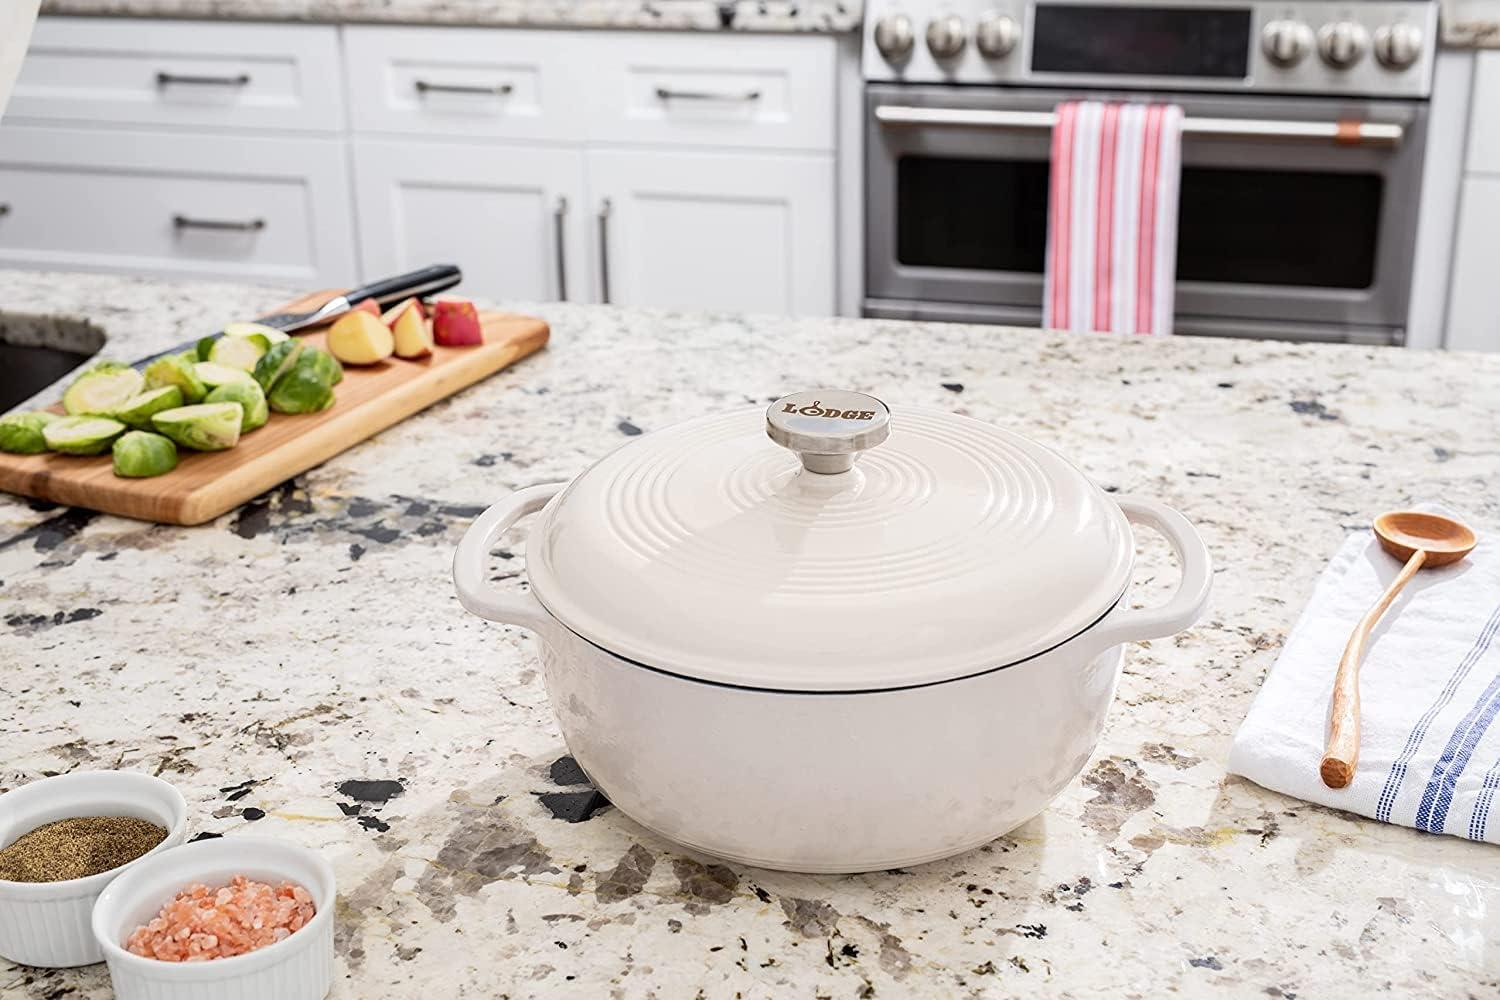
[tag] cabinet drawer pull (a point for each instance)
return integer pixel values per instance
(223, 225)
(667, 94)
(604, 209)
(497, 89)
(163, 79)
(559, 227)
(4, 209)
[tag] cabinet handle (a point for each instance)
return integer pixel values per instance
(667, 94)
(162, 79)
(497, 89)
(4, 209)
(604, 209)
(225, 225)
(559, 229)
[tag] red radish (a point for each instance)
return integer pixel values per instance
(392, 314)
(455, 323)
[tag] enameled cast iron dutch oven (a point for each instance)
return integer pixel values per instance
(766, 650)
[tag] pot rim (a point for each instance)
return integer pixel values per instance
(823, 692)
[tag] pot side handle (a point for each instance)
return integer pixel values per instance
(1126, 624)
(472, 557)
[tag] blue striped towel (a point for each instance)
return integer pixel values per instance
(1429, 692)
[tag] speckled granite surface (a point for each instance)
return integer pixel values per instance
(301, 669)
(1470, 24)
(832, 16)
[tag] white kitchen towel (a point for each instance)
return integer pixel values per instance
(1429, 692)
(1112, 218)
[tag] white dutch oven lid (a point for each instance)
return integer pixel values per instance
(950, 547)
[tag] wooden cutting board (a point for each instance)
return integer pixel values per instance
(206, 484)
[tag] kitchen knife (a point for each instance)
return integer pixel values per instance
(386, 292)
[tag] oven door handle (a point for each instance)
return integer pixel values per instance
(1343, 133)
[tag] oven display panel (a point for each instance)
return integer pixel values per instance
(1141, 41)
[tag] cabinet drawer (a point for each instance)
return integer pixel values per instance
(710, 90)
(462, 82)
(183, 73)
(1484, 114)
(254, 209)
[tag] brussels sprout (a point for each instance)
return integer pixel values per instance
(307, 388)
(81, 435)
(324, 362)
(138, 409)
(246, 393)
(140, 454)
(264, 335)
(275, 363)
(205, 347)
(21, 433)
(174, 370)
(202, 427)
(239, 352)
(101, 388)
(213, 374)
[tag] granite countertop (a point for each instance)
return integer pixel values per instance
(301, 669)
(823, 16)
(1470, 24)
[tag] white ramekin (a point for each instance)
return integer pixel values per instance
(47, 923)
(297, 968)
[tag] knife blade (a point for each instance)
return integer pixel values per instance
(386, 292)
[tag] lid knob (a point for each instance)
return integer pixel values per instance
(828, 428)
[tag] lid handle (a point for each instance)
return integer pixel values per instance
(828, 428)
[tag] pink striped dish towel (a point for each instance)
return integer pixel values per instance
(1112, 221)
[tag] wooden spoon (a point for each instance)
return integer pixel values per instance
(1422, 540)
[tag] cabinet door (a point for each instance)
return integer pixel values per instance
(740, 232)
(509, 216)
(1474, 301)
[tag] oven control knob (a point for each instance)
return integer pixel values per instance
(996, 36)
(1397, 46)
(946, 36)
(894, 37)
(1342, 43)
(1286, 43)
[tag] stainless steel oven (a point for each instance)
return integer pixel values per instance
(1297, 213)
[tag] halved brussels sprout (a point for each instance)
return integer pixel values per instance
(81, 435)
(323, 361)
(140, 454)
(267, 335)
(138, 409)
(246, 393)
(101, 388)
(203, 427)
(275, 363)
(21, 433)
(213, 374)
(307, 388)
(175, 370)
(239, 352)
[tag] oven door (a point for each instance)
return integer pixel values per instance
(1277, 234)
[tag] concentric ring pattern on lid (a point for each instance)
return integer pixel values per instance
(950, 548)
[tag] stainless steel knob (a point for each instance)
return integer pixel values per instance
(828, 428)
(946, 36)
(1286, 43)
(894, 37)
(1397, 46)
(1343, 43)
(996, 35)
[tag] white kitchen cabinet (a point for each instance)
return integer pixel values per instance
(511, 84)
(510, 216)
(1474, 302)
(173, 204)
(185, 74)
(774, 92)
(742, 232)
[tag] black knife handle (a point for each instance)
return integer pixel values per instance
(426, 281)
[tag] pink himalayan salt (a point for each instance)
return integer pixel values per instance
(202, 923)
